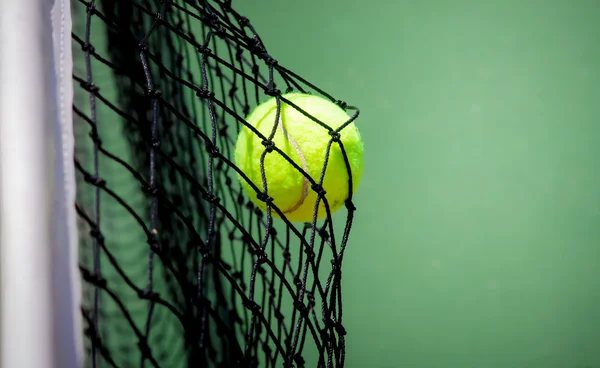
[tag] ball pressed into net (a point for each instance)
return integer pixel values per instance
(305, 142)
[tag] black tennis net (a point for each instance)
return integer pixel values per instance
(180, 268)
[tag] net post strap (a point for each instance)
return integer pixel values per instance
(39, 280)
(67, 285)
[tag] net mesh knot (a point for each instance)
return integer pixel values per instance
(269, 60)
(90, 87)
(153, 242)
(310, 254)
(205, 94)
(96, 234)
(207, 257)
(301, 308)
(212, 150)
(335, 136)
(257, 47)
(252, 307)
(299, 360)
(341, 104)
(144, 349)
(272, 91)
(94, 278)
(269, 145)
(91, 9)
(264, 197)
(311, 300)
(261, 257)
(319, 190)
(95, 181)
(153, 93)
(88, 47)
(148, 295)
(323, 233)
(203, 49)
(350, 205)
(244, 21)
(159, 18)
(151, 189)
(95, 137)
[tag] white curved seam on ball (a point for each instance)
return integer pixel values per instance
(304, 166)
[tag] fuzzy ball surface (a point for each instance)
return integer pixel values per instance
(305, 142)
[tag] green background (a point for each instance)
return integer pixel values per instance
(476, 241)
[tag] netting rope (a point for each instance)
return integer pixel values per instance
(180, 268)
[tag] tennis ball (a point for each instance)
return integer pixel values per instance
(305, 142)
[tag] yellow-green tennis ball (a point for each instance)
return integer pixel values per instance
(305, 142)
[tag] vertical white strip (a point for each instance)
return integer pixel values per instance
(66, 262)
(26, 118)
